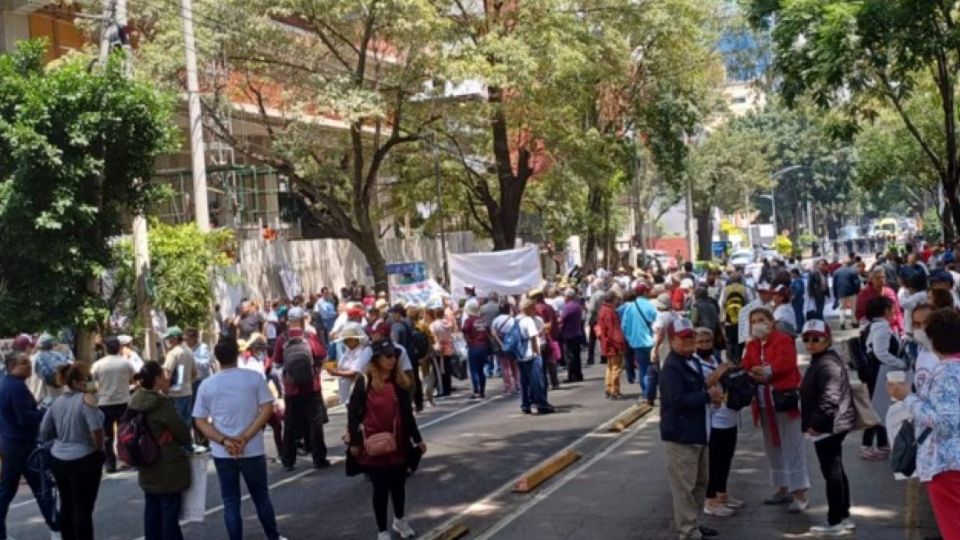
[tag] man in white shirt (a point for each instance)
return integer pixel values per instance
(113, 374)
(231, 409)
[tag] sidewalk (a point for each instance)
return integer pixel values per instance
(625, 494)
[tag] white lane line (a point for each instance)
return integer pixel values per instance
(564, 480)
(485, 503)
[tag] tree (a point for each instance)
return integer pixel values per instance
(183, 261)
(75, 146)
(331, 83)
(726, 168)
(856, 56)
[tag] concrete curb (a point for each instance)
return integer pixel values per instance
(630, 416)
(453, 532)
(538, 475)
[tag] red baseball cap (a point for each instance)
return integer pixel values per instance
(681, 328)
(815, 327)
(641, 287)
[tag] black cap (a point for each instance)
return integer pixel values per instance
(384, 348)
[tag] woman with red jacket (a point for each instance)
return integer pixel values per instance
(612, 342)
(771, 359)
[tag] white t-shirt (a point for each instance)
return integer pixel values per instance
(112, 374)
(784, 314)
(351, 360)
(530, 327)
(231, 400)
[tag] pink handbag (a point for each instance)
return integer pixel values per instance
(554, 351)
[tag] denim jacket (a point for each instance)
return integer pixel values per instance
(940, 410)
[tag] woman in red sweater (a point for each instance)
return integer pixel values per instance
(771, 359)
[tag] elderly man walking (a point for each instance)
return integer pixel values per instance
(571, 332)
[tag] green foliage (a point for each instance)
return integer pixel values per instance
(75, 146)
(183, 262)
(932, 225)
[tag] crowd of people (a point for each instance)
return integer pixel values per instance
(702, 343)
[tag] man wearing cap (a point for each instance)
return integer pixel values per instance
(113, 375)
(533, 391)
(877, 287)
(180, 367)
(637, 321)
(305, 412)
(685, 404)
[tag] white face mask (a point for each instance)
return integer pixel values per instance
(921, 337)
(760, 330)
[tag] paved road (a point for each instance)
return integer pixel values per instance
(474, 448)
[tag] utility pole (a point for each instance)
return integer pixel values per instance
(691, 220)
(115, 33)
(198, 161)
(443, 232)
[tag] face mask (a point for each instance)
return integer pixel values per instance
(921, 337)
(760, 331)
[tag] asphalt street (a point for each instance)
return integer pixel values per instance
(475, 448)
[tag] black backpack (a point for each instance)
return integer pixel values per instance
(419, 345)
(298, 361)
(739, 387)
(859, 357)
(903, 457)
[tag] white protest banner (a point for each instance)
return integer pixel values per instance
(514, 271)
(290, 281)
(417, 293)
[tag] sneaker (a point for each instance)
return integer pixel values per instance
(798, 506)
(778, 498)
(849, 525)
(829, 530)
(54, 535)
(403, 528)
(720, 510)
(384, 535)
(734, 503)
(546, 410)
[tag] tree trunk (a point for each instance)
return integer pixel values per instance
(704, 234)
(950, 194)
(505, 215)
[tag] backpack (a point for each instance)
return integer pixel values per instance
(419, 344)
(859, 358)
(736, 299)
(298, 361)
(514, 343)
(136, 446)
(739, 387)
(903, 456)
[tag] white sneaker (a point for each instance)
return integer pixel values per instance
(53, 536)
(829, 530)
(385, 535)
(798, 506)
(403, 528)
(734, 503)
(721, 510)
(849, 525)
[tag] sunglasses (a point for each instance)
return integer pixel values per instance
(812, 339)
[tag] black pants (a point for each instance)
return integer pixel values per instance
(446, 378)
(732, 333)
(829, 453)
(869, 376)
(723, 443)
(571, 349)
(111, 416)
(591, 346)
(161, 516)
(417, 385)
(388, 483)
(78, 481)
(550, 373)
(304, 417)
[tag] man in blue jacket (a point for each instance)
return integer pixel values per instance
(19, 422)
(846, 285)
(685, 401)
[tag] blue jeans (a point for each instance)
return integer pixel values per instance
(161, 517)
(532, 389)
(477, 358)
(184, 407)
(641, 355)
(254, 472)
(14, 467)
